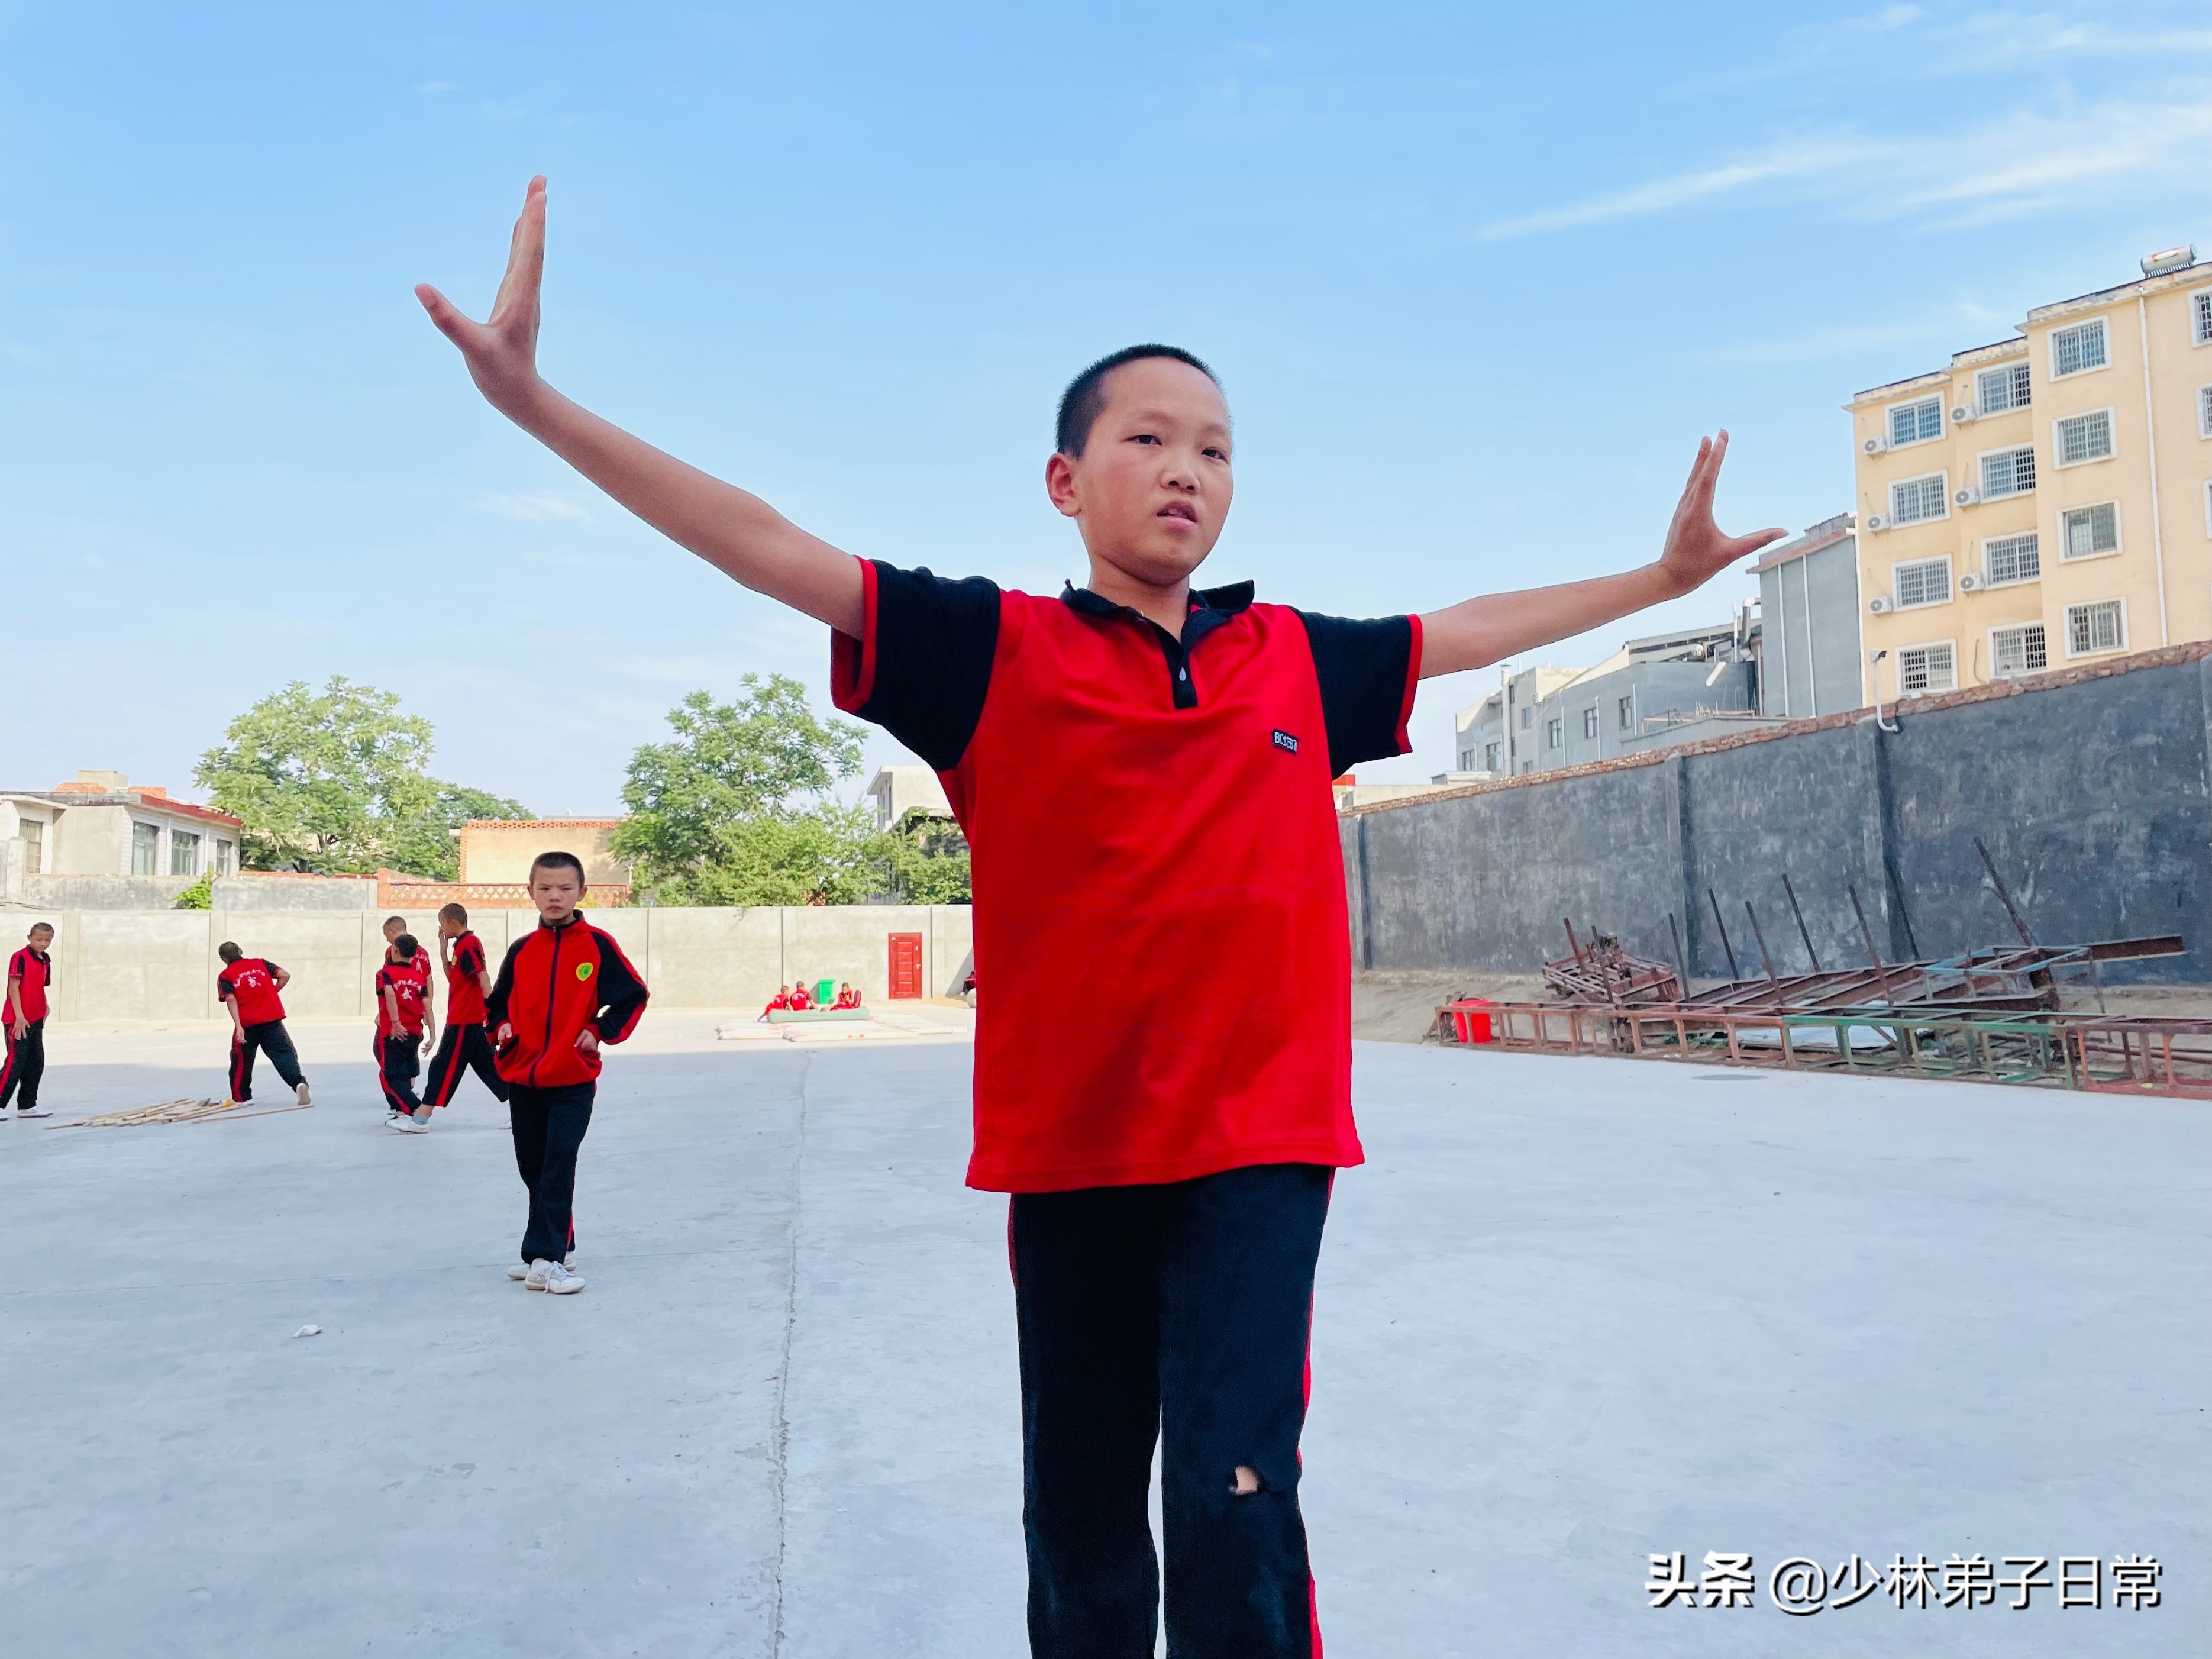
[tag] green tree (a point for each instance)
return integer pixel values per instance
(734, 810)
(923, 860)
(335, 782)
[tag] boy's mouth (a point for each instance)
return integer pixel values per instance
(1182, 510)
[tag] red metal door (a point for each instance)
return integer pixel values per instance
(906, 964)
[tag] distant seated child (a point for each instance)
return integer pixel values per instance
(846, 997)
(801, 998)
(781, 1000)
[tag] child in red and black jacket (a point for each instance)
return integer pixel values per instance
(564, 989)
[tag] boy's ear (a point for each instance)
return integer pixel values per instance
(1060, 484)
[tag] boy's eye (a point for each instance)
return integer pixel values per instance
(1143, 438)
(1217, 454)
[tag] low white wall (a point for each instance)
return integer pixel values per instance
(162, 964)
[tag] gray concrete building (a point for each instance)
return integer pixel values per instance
(1660, 690)
(101, 825)
(1809, 602)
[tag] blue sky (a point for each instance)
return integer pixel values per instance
(1476, 283)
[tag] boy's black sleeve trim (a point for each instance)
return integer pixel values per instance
(622, 993)
(923, 667)
(1368, 672)
(503, 986)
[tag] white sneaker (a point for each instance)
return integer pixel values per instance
(32, 1111)
(560, 1281)
(405, 1125)
(302, 1092)
(535, 1279)
(518, 1270)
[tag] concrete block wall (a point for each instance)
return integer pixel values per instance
(162, 964)
(2092, 789)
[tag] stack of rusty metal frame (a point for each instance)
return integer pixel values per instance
(1997, 1013)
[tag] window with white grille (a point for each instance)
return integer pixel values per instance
(2018, 650)
(2204, 411)
(1996, 390)
(1589, 721)
(2101, 626)
(2081, 438)
(1912, 501)
(2089, 531)
(1926, 668)
(1916, 424)
(2007, 559)
(1923, 582)
(2200, 315)
(1555, 731)
(1627, 709)
(2073, 349)
(2008, 472)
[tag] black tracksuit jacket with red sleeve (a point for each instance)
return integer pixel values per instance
(554, 982)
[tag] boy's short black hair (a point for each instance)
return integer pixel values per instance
(1084, 399)
(406, 946)
(557, 862)
(454, 913)
(40, 927)
(228, 951)
(395, 921)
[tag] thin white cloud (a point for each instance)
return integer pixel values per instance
(1685, 188)
(431, 88)
(528, 508)
(2021, 162)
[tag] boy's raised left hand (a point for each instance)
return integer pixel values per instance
(1696, 550)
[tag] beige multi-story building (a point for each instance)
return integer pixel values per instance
(2047, 499)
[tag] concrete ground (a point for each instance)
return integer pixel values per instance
(1573, 1313)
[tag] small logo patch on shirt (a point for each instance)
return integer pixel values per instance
(583, 971)
(1285, 741)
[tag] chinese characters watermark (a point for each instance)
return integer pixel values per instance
(1801, 1586)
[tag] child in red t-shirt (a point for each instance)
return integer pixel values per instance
(248, 989)
(24, 1018)
(466, 1046)
(403, 1016)
(1141, 768)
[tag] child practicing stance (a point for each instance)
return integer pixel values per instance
(402, 1009)
(564, 989)
(249, 986)
(466, 1047)
(1142, 770)
(30, 972)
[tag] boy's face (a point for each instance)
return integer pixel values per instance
(1150, 490)
(452, 926)
(393, 929)
(40, 937)
(555, 889)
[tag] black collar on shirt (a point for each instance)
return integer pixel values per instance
(575, 916)
(1209, 608)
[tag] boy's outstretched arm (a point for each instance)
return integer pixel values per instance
(738, 533)
(1481, 631)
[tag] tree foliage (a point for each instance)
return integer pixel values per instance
(336, 781)
(736, 809)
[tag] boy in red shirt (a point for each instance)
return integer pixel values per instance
(23, 1014)
(802, 997)
(465, 1045)
(1142, 770)
(403, 1011)
(248, 988)
(563, 989)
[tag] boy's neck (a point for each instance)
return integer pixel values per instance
(1166, 606)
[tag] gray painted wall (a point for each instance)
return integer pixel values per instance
(2091, 794)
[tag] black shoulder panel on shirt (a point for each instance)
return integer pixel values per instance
(934, 641)
(1362, 668)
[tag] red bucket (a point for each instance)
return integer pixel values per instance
(1471, 1019)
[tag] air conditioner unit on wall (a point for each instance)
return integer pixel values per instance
(1875, 446)
(1961, 413)
(1966, 497)
(1876, 521)
(1972, 582)
(1880, 606)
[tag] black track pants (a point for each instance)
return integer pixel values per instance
(270, 1038)
(25, 1064)
(549, 1126)
(463, 1048)
(1181, 1311)
(399, 1058)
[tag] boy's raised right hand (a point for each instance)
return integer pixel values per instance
(737, 533)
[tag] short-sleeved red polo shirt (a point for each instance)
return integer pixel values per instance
(1159, 894)
(251, 983)
(464, 997)
(410, 985)
(35, 969)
